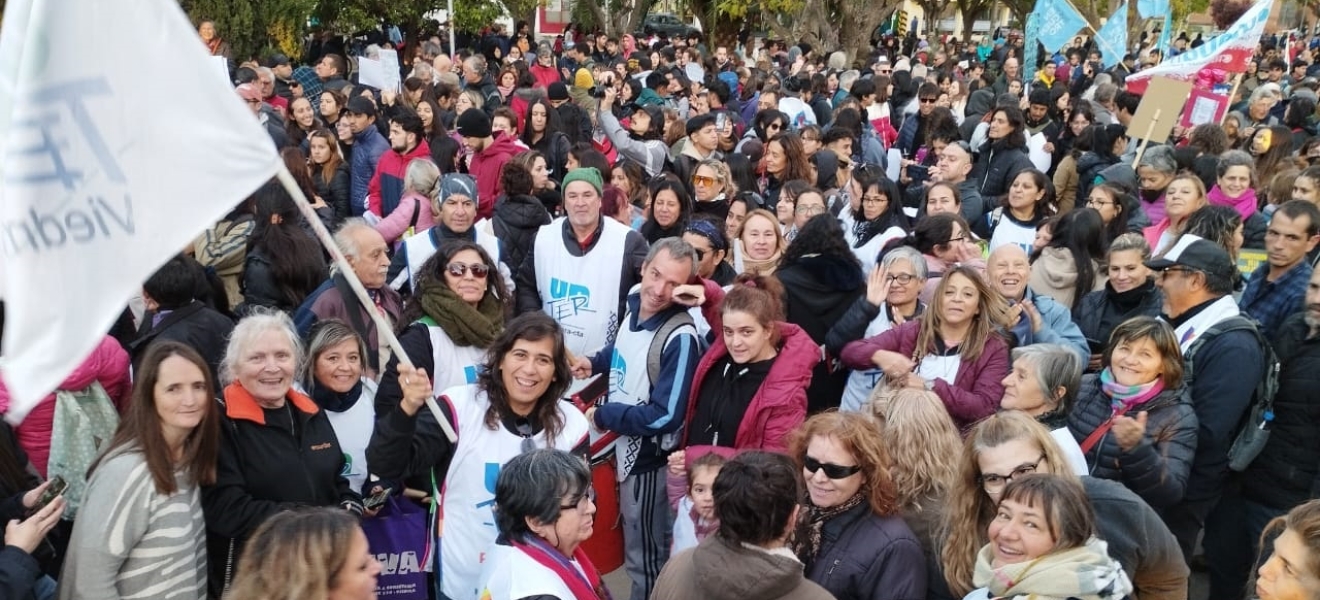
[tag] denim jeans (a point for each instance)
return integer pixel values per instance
(44, 588)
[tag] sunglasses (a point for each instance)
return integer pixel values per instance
(703, 180)
(928, 100)
(831, 470)
(479, 271)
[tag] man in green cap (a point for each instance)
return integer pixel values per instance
(581, 266)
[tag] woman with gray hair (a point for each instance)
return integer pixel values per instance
(1043, 383)
(413, 214)
(1154, 173)
(277, 447)
(892, 298)
(545, 509)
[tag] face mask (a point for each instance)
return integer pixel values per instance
(1151, 195)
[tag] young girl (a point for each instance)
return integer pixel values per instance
(1043, 546)
(695, 518)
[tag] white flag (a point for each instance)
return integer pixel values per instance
(119, 146)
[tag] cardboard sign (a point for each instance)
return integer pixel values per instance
(1159, 109)
(1203, 107)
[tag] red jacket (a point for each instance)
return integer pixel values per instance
(485, 168)
(544, 75)
(108, 364)
(976, 391)
(780, 404)
(386, 186)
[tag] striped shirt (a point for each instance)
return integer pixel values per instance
(131, 542)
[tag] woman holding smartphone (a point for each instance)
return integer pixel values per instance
(140, 533)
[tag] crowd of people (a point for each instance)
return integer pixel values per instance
(699, 284)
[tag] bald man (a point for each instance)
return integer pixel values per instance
(1039, 318)
(443, 64)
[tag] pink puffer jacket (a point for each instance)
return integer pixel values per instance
(108, 364)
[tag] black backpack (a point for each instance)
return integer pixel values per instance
(1255, 430)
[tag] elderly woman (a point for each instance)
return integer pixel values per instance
(546, 510)
(1133, 420)
(1043, 384)
(891, 299)
(308, 553)
(1011, 444)
(512, 408)
(851, 536)
(1130, 292)
(954, 349)
(458, 310)
(413, 213)
(277, 447)
(756, 503)
(712, 188)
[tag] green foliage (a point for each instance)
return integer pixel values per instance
(740, 9)
(253, 28)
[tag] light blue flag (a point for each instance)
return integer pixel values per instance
(1112, 38)
(1153, 8)
(1166, 33)
(1057, 23)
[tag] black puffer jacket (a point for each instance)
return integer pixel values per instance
(1287, 472)
(863, 555)
(1101, 311)
(819, 290)
(996, 166)
(1157, 468)
(515, 222)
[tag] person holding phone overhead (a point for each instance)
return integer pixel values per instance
(140, 533)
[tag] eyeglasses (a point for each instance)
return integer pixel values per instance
(928, 100)
(809, 210)
(774, 126)
(961, 238)
(832, 471)
(703, 180)
(901, 278)
(456, 269)
(874, 200)
(1098, 203)
(587, 496)
(994, 483)
(1165, 272)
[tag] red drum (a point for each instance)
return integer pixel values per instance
(605, 546)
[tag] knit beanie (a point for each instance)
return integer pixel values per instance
(456, 183)
(588, 174)
(473, 123)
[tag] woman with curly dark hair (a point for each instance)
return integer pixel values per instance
(821, 280)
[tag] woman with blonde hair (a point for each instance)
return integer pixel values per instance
(1184, 196)
(712, 188)
(413, 215)
(1011, 444)
(850, 534)
(920, 437)
(759, 245)
(307, 553)
(954, 349)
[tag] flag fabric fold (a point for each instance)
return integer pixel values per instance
(1112, 37)
(1229, 51)
(1148, 9)
(1057, 22)
(119, 146)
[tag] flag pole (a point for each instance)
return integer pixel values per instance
(383, 329)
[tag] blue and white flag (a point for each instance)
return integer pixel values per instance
(1112, 37)
(118, 146)
(1057, 23)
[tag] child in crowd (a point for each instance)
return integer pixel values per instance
(695, 518)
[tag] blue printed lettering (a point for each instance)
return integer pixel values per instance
(567, 299)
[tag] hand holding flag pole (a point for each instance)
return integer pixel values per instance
(382, 327)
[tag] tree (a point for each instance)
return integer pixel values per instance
(970, 10)
(933, 10)
(254, 28)
(827, 25)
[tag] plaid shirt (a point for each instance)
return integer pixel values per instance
(1270, 302)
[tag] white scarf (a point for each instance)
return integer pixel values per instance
(1218, 310)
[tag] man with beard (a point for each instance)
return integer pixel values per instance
(407, 142)
(1038, 118)
(1276, 287)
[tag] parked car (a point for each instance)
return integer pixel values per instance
(666, 23)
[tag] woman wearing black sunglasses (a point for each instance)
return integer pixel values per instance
(457, 310)
(851, 537)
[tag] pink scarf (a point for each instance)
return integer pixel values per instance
(1244, 204)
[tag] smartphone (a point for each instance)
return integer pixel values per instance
(376, 499)
(56, 488)
(918, 173)
(721, 121)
